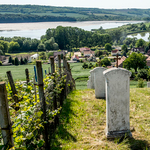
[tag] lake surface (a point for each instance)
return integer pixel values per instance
(143, 35)
(36, 30)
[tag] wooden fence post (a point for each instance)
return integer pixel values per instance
(42, 100)
(59, 64)
(27, 75)
(52, 64)
(5, 121)
(14, 91)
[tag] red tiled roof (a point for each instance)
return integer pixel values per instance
(121, 60)
(114, 51)
(148, 59)
(84, 49)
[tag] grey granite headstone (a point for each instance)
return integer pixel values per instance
(117, 82)
(99, 82)
(92, 79)
(148, 84)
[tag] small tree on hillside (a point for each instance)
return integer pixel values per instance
(108, 47)
(16, 61)
(135, 61)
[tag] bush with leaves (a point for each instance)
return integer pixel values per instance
(143, 73)
(85, 65)
(16, 61)
(0, 63)
(140, 83)
(90, 65)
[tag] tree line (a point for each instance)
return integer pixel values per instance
(64, 38)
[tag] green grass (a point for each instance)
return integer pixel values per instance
(80, 75)
(18, 72)
(83, 122)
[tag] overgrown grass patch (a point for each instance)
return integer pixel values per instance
(83, 122)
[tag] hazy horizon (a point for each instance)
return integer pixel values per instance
(107, 4)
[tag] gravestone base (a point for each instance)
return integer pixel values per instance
(102, 97)
(118, 134)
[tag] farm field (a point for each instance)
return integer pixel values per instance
(80, 75)
(83, 122)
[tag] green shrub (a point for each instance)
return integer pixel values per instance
(140, 83)
(90, 65)
(0, 63)
(143, 73)
(85, 65)
(16, 61)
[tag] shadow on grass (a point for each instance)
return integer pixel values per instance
(62, 134)
(135, 144)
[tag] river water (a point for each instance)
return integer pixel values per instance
(36, 30)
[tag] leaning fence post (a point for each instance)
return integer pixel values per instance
(5, 121)
(14, 91)
(52, 64)
(27, 75)
(65, 73)
(59, 64)
(42, 100)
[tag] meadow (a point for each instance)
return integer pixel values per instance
(79, 74)
(83, 122)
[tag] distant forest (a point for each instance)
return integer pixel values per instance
(36, 13)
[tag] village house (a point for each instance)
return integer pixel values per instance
(120, 61)
(139, 49)
(115, 52)
(148, 62)
(75, 58)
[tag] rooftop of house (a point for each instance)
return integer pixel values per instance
(120, 61)
(84, 49)
(114, 51)
(75, 56)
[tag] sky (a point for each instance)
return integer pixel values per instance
(106, 4)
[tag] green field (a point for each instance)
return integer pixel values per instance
(80, 75)
(18, 72)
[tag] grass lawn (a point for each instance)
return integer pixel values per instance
(83, 122)
(18, 72)
(80, 75)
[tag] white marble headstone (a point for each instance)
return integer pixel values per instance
(99, 82)
(148, 84)
(92, 79)
(117, 82)
(89, 83)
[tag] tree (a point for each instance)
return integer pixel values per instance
(108, 47)
(10, 59)
(135, 61)
(41, 47)
(14, 47)
(105, 62)
(140, 43)
(16, 61)
(124, 48)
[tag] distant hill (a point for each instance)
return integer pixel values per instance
(36, 13)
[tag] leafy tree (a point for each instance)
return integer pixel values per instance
(85, 65)
(50, 54)
(14, 47)
(108, 47)
(140, 43)
(41, 47)
(98, 53)
(124, 48)
(10, 59)
(4, 47)
(26, 45)
(143, 73)
(135, 61)
(106, 62)
(42, 56)
(16, 61)
(22, 61)
(1, 52)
